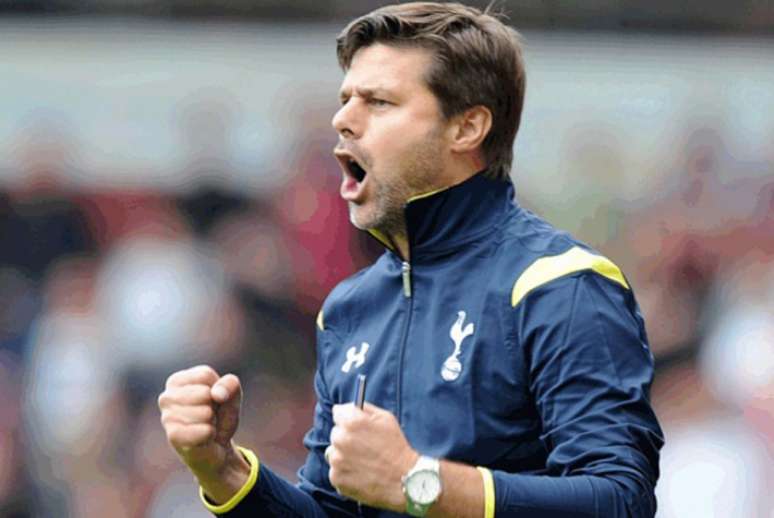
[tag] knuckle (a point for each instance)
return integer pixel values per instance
(192, 395)
(335, 434)
(170, 396)
(341, 438)
(173, 433)
(202, 392)
(208, 432)
(332, 455)
(334, 458)
(174, 378)
(208, 413)
(206, 373)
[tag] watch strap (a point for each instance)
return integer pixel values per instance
(415, 509)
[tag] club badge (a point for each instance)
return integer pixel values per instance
(452, 367)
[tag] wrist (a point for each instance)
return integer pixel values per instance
(221, 484)
(407, 462)
(404, 464)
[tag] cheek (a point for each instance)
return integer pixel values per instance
(395, 139)
(401, 130)
(392, 149)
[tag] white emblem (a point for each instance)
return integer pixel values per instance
(355, 357)
(452, 367)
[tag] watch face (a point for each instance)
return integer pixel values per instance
(423, 487)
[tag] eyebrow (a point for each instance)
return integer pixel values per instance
(365, 91)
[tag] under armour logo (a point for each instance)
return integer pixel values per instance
(452, 367)
(356, 358)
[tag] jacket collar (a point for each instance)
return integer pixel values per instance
(449, 218)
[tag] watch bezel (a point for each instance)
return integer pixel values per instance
(423, 464)
(412, 476)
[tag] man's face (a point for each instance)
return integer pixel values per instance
(391, 135)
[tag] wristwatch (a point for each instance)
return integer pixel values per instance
(422, 485)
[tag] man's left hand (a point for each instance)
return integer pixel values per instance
(368, 455)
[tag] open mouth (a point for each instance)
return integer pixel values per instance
(353, 184)
(356, 170)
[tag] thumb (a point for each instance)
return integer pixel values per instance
(227, 395)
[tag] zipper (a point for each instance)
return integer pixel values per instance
(406, 274)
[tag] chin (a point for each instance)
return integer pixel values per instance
(356, 217)
(365, 218)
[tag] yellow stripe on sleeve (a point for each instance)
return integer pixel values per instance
(489, 492)
(251, 459)
(547, 269)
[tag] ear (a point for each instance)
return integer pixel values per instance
(470, 128)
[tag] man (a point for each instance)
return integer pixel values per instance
(508, 368)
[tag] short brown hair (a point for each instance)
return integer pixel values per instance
(476, 61)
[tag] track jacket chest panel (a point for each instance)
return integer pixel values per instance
(439, 359)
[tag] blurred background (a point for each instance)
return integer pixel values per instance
(168, 198)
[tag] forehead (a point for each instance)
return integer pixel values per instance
(389, 67)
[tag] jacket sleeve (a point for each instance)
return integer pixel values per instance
(586, 355)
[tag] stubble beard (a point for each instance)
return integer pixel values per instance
(419, 172)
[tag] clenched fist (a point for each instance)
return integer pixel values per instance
(200, 414)
(368, 455)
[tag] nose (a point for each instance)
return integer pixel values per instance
(345, 120)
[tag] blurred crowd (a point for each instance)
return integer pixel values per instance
(106, 291)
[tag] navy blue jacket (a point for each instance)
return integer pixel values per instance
(505, 344)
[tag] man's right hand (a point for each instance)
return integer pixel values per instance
(200, 414)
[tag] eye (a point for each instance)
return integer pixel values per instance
(378, 102)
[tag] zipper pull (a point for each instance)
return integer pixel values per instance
(406, 271)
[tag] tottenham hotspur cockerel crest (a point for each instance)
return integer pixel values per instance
(452, 367)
